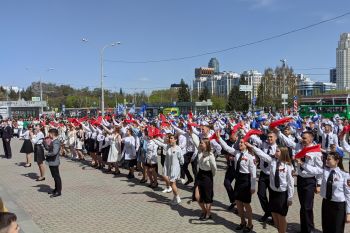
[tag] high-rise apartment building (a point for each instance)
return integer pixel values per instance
(333, 75)
(343, 62)
(214, 63)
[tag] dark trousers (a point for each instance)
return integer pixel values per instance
(333, 216)
(7, 148)
(229, 177)
(55, 172)
(306, 191)
(187, 162)
(263, 186)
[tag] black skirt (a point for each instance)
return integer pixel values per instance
(27, 147)
(39, 155)
(204, 182)
(91, 145)
(278, 202)
(333, 216)
(242, 188)
(105, 152)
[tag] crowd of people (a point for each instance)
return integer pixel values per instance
(264, 154)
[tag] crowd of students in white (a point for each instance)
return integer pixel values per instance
(280, 147)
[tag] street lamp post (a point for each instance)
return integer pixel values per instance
(41, 89)
(284, 62)
(102, 90)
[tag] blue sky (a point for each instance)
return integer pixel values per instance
(41, 34)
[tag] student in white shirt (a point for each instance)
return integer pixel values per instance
(171, 169)
(335, 191)
(281, 184)
(245, 182)
(27, 147)
(203, 191)
(129, 152)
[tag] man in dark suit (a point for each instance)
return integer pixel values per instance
(6, 139)
(53, 159)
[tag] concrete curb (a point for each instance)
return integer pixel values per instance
(24, 220)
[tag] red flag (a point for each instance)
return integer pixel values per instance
(157, 133)
(189, 124)
(214, 137)
(190, 115)
(83, 119)
(130, 116)
(162, 117)
(43, 123)
(107, 118)
(236, 128)
(280, 122)
(306, 150)
(346, 129)
(53, 124)
(250, 133)
(70, 119)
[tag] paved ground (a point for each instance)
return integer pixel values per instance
(96, 202)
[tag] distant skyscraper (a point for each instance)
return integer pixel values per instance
(214, 63)
(343, 62)
(333, 75)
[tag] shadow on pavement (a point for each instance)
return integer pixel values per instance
(21, 164)
(31, 175)
(43, 188)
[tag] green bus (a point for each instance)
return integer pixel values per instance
(327, 111)
(326, 105)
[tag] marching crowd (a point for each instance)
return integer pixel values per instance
(264, 154)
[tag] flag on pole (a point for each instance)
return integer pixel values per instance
(132, 109)
(295, 104)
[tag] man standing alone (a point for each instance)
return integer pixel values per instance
(53, 159)
(6, 139)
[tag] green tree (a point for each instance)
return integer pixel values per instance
(219, 103)
(183, 92)
(238, 100)
(205, 94)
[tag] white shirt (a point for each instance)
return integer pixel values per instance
(38, 138)
(151, 152)
(247, 165)
(285, 173)
(129, 150)
(265, 147)
(206, 162)
(340, 187)
(25, 135)
(313, 165)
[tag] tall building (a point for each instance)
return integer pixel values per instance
(203, 72)
(217, 84)
(343, 62)
(333, 75)
(214, 63)
(254, 78)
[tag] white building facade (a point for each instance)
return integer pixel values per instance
(217, 84)
(343, 62)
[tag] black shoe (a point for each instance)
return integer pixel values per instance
(241, 226)
(188, 182)
(143, 181)
(28, 165)
(248, 229)
(231, 206)
(56, 194)
(202, 217)
(263, 218)
(51, 192)
(40, 179)
(130, 176)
